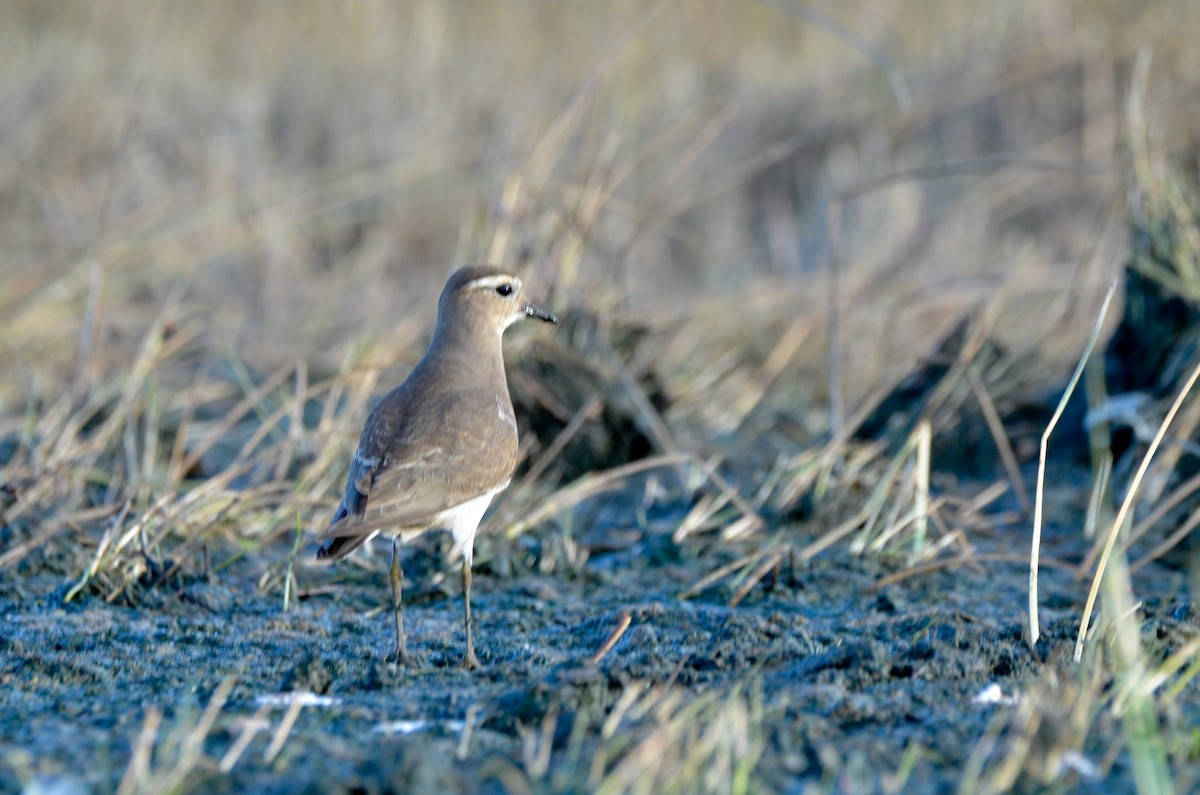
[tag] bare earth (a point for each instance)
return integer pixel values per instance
(831, 672)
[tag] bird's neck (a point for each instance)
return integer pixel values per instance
(476, 350)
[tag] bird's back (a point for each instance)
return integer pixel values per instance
(422, 451)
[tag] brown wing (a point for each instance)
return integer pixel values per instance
(451, 450)
(383, 423)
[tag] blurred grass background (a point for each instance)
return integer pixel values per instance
(307, 174)
(223, 226)
(292, 183)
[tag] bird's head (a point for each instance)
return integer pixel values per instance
(486, 296)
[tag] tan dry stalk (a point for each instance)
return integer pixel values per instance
(1127, 506)
(1036, 543)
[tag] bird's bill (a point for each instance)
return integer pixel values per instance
(539, 313)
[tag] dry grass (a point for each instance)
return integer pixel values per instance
(222, 223)
(656, 739)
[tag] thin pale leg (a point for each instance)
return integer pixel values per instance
(397, 575)
(470, 661)
(463, 527)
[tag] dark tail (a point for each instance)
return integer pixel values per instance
(336, 547)
(340, 546)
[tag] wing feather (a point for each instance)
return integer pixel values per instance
(449, 451)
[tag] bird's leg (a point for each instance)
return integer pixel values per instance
(469, 661)
(402, 657)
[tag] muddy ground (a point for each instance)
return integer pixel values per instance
(861, 689)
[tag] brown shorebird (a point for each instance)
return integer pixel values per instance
(437, 448)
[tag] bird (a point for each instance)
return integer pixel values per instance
(437, 448)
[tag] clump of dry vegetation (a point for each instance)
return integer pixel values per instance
(823, 277)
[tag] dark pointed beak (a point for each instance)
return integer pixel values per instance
(539, 313)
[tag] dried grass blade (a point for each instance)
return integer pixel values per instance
(724, 571)
(996, 427)
(590, 485)
(53, 528)
(1127, 506)
(771, 561)
(250, 402)
(613, 637)
(1036, 543)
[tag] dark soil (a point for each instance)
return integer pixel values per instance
(857, 683)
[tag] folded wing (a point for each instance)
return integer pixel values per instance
(406, 481)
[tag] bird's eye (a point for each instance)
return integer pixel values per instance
(504, 289)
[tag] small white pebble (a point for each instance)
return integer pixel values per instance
(303, 697)
(1074, 760)
(56, 785)
(992, 694)
(411, 726)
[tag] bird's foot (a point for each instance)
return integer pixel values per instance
(401, 659)
(470, 662)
